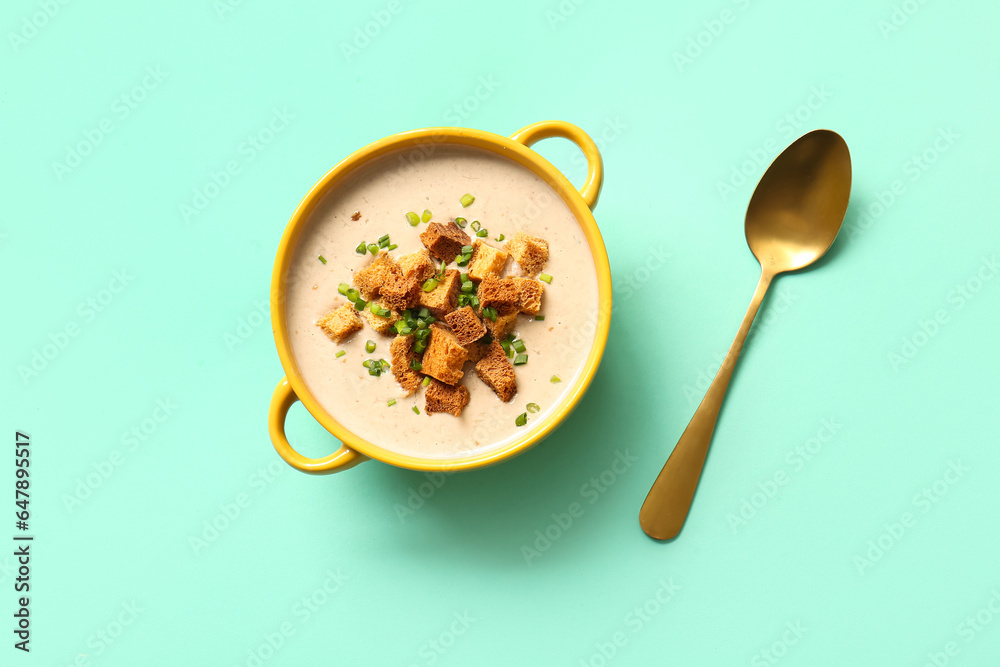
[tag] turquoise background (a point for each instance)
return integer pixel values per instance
(779, 562)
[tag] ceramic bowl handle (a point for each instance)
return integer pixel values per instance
(557, 128)
(283, 399)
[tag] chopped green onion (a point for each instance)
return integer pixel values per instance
(413, 219)
(464, 277)
(372, 306)
(501, 237)
(476, 226)
(416, 409)
(429, 285)
(469, 287)
(539, 318)
(463, 260)
(360, 304)
(375, 370)
(362, 248)
(352, 294)
(391, 402)
(463, 300)
(521, 420)
(545, 278)
(392, 247)
(509, 338)
(372, 248)
(510, 353)
(467, 200)
(369, 346)
(482, 233)
(384, 313)
(415, 365)
(554, 379)
(367, 363)
(461, 222)
(490, 313)
(424, 313)
(420, 346)
(426, 380)
(399, 326)
(520, 360)
(533, 408)
(474, 301)
(343, 288)
(384, 242)
(426, 217)
(341, 353)
(518, 345)
(406, 330)
(466, 249)
(385, 364)
(506, 347)
(322, 259)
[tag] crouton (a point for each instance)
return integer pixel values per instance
(444, 356)
(466, 326)
(504, 325)
(417, 265)
(340, 323)
(530, 252)
(529, 295)
(441, 300)
(497, 372)
(382, 325)
(444, 241)
(500, 294)
(441, 397)
(401, 354)
(486, 261)
(369, 279)
(399, 293)
(476, 350)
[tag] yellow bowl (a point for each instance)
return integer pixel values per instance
(355, 449)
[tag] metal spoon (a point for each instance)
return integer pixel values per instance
(793, 218)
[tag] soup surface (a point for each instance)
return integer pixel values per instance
(509, 198)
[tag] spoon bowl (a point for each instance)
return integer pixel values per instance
(792, 220)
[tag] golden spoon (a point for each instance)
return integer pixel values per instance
(793, 217)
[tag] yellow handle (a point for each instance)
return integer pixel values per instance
(283, 399)
(557, 128)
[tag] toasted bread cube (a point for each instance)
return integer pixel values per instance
(530, 252)
(340, 323)
(504, 325)
(417, 265)
(441, 300)
(476, 350)
(466, 326)
(370, 279)
(444, 356)
(382, 325)
(497, 293)
(486, 261)
(441, 397)
(497, 372)
(399, 293)
(529, 295)
(401, 354)
(444, 241)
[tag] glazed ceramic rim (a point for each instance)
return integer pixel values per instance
(446, 137)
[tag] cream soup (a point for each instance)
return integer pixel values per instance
(508, 198)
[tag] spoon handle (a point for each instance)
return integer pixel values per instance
(666, 507)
